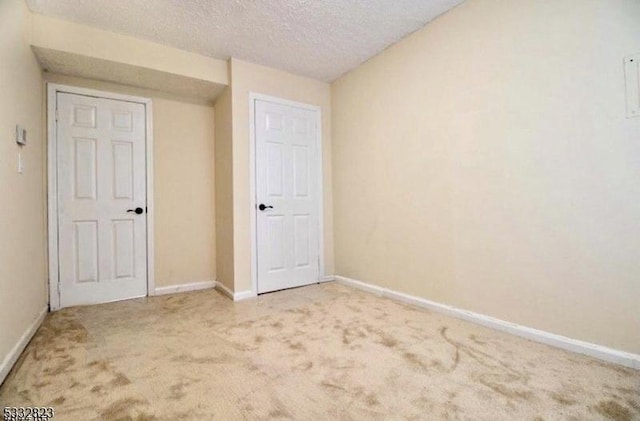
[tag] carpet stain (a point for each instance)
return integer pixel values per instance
(385, 338)
(562, 398)
(354, 308)
(418, 362)
(58, 401)
(475, 339)
(306, 366)
(122, 408)
(120, 380)
(627, 391)
(177, 391)
(349, 335)
(498, 383)
(40, 385)
(100, 365)
(614, 411)
(372, 399)
(185, 358)
(297, 346)
(61, 367)
(279, 413)
(278, 409)
(635, 404)
(456, 346)
(304, 311)
(388, 340)
(333, 386)
(490, 361)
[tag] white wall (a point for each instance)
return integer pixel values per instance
(486, 162)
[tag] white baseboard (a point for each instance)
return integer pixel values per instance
(193, 286)
(14, 354)
(597, 351)
(235, 296)
(223, 289)
(243, 295)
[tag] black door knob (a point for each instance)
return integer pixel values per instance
(262, 207)
(136, 210)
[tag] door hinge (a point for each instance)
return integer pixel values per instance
(57, 115)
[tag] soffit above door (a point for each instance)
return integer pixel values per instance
(77, 50)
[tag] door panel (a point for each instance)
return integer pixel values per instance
(101, 146)
(276, 233)
(275, 169)
(85, 174)
(301, 237)
(288, 179)
(85, 253)
(122, 170)
(123, 249)
(300, 171)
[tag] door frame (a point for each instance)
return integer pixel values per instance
(52, 182)
(253, 97)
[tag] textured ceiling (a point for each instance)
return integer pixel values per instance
(317, 38)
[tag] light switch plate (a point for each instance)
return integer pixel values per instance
(21, 135)
(632, 84)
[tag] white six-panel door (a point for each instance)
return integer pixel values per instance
(288, 187)
(101, 171)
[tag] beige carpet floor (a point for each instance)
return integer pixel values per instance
(319, 352)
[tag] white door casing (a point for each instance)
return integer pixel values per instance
(287, 157)
(101, 174)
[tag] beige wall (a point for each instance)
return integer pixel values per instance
(185, 247)
(251, 78)
(184, 192)
(486, 162)
(23, 292)
(224, 189)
